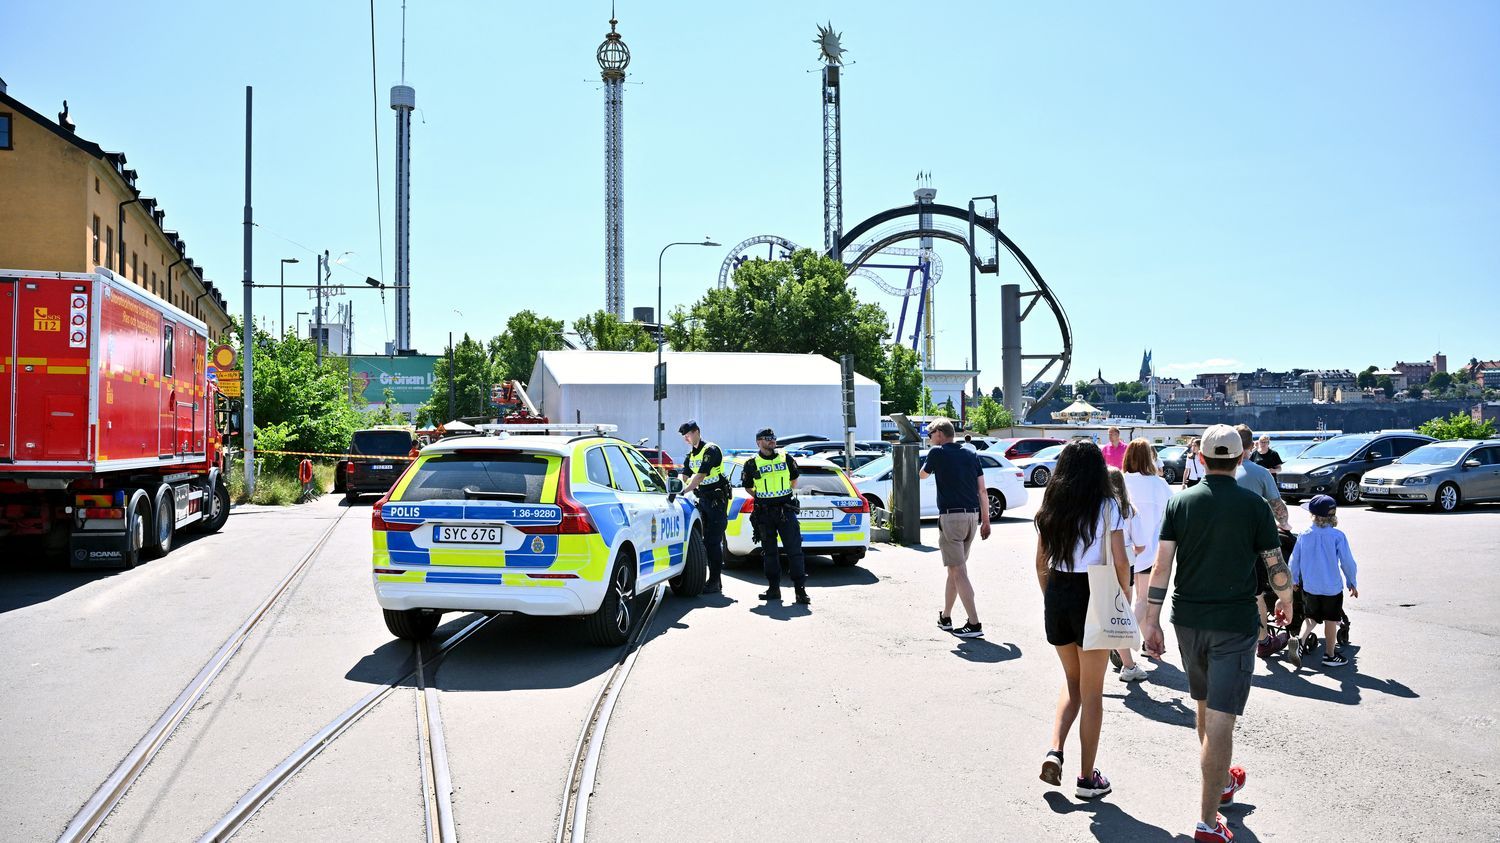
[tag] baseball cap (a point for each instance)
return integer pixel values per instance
(766, 433)
(1222, 442)
(690, 424)
(1321, 505)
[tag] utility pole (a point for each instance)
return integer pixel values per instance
(452, 412)
(249, 329)
(318, 308)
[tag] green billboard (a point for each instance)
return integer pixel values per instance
(409, 378)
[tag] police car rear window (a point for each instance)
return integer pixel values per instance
(519, 478)
(821, 481)
(382, 443)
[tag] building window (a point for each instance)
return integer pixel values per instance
(96, 240)
(109, 246)
(153, 282)
(135, 274)
(166, 352)
(5, 131)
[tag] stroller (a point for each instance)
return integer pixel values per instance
(1282, 636)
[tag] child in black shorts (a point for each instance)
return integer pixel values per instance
(1323, 566)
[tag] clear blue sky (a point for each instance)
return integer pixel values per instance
(1280, 185)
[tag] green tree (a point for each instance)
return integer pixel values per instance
(1414, 391)
(1130, 391)
(1440, 382)
(1366, 378)
(513, 353)
(900, 377)
(989, 415)
(603, 331)
(1458, 426)
(386, 413)
(947, 409)
(996, 395)
(1386, 385)
(801, 305)
(472, 376)
(299, 405)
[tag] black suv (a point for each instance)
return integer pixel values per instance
(379, 457)
(1334, 466)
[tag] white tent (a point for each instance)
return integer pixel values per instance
(731, 396)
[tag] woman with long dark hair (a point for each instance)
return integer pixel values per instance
(1077, 517)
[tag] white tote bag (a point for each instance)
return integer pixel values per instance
(1109, 625)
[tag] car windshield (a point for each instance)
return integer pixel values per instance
(1171, 452)
(875, 467)
(510, 477)
(1048, 453)
(1338, 447)
(1290, 449)
(1437, 454)
(816, 480)
(381, 443)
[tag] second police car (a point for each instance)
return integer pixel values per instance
(834, 519)
(536, 524)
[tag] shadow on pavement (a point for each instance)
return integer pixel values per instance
(1108, 821)
(1234, 817)
(30, 576)
(821, 573)
(783, 610)
(1351, 683)
(986, 652)
(1173, 712)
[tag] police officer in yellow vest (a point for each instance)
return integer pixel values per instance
(704, 473)
(771, 478)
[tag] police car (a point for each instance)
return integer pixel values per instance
(536, 523)
(834, 518)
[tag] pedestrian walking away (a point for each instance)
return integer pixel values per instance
(1218, 534)
(1322, 564)
(1078, 518)
(1260, 481)
(963, 511)
(1192, 469)
(1114, 452)
(771, 478)
(704, 475)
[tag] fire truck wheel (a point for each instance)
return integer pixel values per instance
(164, 524)
(140, 517)
(218, 507)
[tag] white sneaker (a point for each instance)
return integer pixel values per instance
(1134, 673)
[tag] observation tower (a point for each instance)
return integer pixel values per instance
(833, 165)
(613, 58)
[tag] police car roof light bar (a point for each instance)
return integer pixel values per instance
(545, 429)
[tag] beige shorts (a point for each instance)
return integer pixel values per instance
(956, 531)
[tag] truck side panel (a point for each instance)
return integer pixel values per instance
(130, 365)
(50, 379)
(7, 365)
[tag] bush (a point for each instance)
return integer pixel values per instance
(275, 488)
(1458, 426)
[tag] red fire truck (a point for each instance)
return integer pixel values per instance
(109, 439)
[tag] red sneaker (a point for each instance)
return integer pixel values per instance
(1220, 833)
(1236, 784)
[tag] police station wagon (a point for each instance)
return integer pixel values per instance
(834, 518)
(535, 524)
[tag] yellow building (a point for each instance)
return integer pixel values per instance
(70, 206)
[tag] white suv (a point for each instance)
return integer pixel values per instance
(1003, 484)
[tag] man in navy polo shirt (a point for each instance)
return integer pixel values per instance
(962, 512)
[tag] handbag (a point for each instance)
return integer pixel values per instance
(1109, 623)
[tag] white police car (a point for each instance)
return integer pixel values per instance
(536, 524)
(834, 518)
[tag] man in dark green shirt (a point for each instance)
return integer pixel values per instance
(1218, 533)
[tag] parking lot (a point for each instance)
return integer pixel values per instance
(853, 719)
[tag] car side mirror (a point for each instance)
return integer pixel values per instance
(1472, 462)
(674, 485)
(1370, 456)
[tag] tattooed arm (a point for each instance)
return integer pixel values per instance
(1278, 509)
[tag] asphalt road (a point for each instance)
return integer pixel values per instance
(855, 720)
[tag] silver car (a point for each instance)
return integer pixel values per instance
(1443, 475)
(1037, 469)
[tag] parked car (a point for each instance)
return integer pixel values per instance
(661, 459)
(833, 517)
(1444, 475)
(379, 456)
(798, 440)
(1003, 483)
(1335, 466)
(826, 447)
(838, 458)
(872, 445)
(1037, 468)
(1171, 461)
(1016, 448)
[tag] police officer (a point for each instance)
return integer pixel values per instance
(704, 473)
(771, 478)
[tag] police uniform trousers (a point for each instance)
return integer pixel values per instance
(713, 508)
(775, 520)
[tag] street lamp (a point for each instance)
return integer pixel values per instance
(659, 381)
(281, 324)
(297, 327)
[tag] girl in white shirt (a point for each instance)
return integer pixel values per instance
(1148, 495)
(1192, 470)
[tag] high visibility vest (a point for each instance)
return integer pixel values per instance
(695, 465)
(773, 478)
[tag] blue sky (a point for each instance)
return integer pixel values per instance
(1279, 185)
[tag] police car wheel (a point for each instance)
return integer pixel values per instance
(164, 524)
(694, 574)
(411, 624)
(846, 560)
(610, 624)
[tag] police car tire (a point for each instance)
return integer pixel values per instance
(846, 560)
(602, 626)
(219, 494)
(163, 525)
(411, 624)
(694, 575)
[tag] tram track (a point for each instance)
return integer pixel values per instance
(91, 816)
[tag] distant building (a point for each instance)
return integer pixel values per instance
(1486, 411)
(1262, 396)
(1105, 389)
(1145, 367)
(70, 206)
(1189, 394)
(1326, 383)
(1489, 376)
(1416, 373)
(1440, 363)
(1398, 378)
(1213, 382)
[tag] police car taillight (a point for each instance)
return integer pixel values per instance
(380, 525)
(575, 516)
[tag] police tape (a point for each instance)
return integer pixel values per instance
(370, 457)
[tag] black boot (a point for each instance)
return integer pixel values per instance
(802, 596)
(713, 586)
(771, 594)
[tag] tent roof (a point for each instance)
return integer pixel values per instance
(693, 368)
(1079, 407)
(458, 425)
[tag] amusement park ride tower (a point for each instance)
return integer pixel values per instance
(403, 100)
(613, 58)
(833, 165)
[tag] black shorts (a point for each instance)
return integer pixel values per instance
(1065, 606)
(1323, 607)
(1219, 666)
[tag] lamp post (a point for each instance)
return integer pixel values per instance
(281, 320)
(659, 381)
